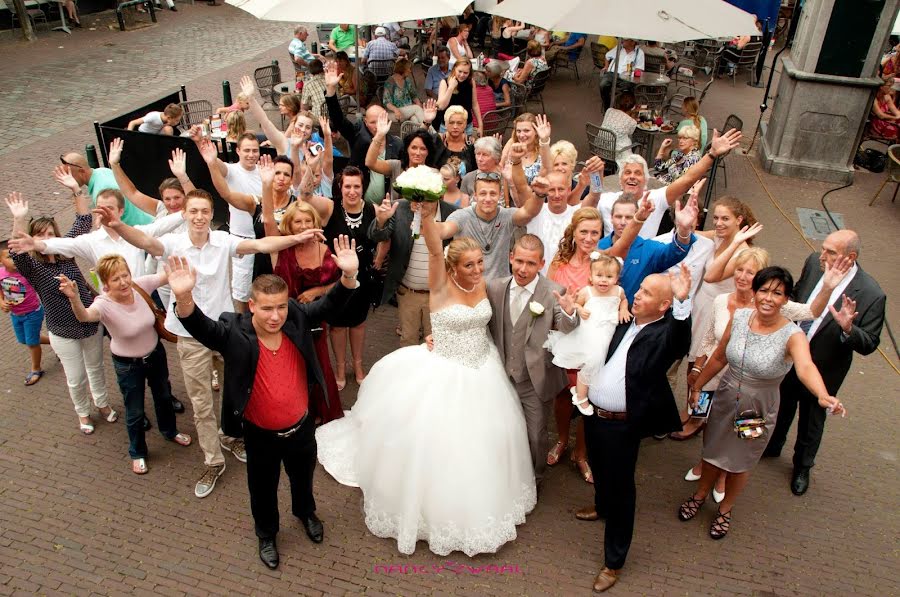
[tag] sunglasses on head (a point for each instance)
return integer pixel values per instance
(62, 159)
(487, 176)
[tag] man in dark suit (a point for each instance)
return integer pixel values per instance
(833, 338)
(632, 399)
(270, 373)
(407, 272)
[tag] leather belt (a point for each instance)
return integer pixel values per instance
(136, 360)
(611, 416)
(426, 291)
(291, 430)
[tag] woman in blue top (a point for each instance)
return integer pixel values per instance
(691, 110)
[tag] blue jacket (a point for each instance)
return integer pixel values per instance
(647, 257)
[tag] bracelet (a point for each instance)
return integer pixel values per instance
(639, 221)
(697, 369)
(687, 238)
(353, 277)
(542, 144)
(515, 163)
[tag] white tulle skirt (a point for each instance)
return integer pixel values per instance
(439, 450)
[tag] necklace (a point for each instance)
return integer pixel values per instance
(353, 222)
(452, 277)
(274, 351)
(486, 238)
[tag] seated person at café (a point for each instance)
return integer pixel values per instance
(400, 95)
(437, 73)
(498, 84)
(534, 63)
(300, 53)
(622, 121)
(631, 57)
(159, 123)
(342, 39)
(241, 104)
(670, 165)
(379, 52)
(571, 44)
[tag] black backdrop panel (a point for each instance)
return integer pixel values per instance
(848, 37)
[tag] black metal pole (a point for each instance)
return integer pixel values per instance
(226, 93)
(90, 153)
(183, 93)
(99, 133)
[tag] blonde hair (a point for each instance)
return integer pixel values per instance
(456, 248)
(461, 62)
(690, 132)
(567, 243)
(451, 168)
(531, 119)
(565, 150)
(291, 212)
(758, 255)
(237, 124)
(606, 263)
(242, 97)
(691, 108)
(455, 110)
(109, 265)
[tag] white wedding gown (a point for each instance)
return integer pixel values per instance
(437, 442)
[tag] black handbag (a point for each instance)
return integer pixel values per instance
(870, 159)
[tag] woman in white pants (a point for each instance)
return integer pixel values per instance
(79, 346)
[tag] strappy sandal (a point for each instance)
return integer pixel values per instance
(689, 509)
(111, 417)
(584, 469)
(86, 428)
(139, 466)
(721, 524)
(556, 453)
(33, 377)
(182, 439)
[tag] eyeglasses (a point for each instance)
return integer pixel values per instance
(62, 159)
(487, 176)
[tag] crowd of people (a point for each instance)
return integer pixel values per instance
(526, 289)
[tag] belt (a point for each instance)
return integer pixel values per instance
(135, 360)
(611, 416)
(291, 430)
(426, 291)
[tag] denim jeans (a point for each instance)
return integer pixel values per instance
(133, 376)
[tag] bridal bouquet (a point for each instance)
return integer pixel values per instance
(419, 184)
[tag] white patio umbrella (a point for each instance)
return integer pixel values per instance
(659, 20)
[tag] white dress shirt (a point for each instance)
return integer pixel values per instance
(519, 297)
(212, 292)
(607, 389)
(94, 245)
(835, 295)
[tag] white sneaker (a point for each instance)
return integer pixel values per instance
(207, 482)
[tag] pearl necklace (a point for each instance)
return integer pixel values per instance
(353, 222)
(455, 283)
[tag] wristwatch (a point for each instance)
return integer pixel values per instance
(353, 277)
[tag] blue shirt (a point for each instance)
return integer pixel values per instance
(298, 48)
(647, 257)
(573, 38)
(434, 77)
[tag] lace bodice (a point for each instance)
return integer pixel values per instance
(460, 333)
(765, 355)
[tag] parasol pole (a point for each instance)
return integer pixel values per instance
(612, 95)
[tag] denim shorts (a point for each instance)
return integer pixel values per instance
(28, 326)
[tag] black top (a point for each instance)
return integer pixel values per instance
(461, 96)
(262, 263)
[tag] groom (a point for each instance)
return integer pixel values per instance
(526, 306)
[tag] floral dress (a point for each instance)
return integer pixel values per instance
(670, 170)
(399, 95)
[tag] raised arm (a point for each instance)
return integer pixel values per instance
(335, 114)
(445, 91)
(594, 165)
(328, 154)
(267, 201)
(437, 273)
(373, 162)
(720, 146)
(543, 129)
(81, 202)
(274, 244)
(132, 235)
(323, 205)
(276, 137)
(144, 202)
(830, 280)
(532, 198)
(241, 201)
(70, 290)
(722, 267)
(18, 207)
(620, 247)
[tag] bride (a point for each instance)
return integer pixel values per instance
(437, 440)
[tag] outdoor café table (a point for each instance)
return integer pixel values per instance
(652, 79)
(649, 139)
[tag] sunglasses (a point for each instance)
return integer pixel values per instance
(65, 163)
(487, 176)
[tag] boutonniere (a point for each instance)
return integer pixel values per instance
(536, 308)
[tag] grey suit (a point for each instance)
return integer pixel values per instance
(536, 379)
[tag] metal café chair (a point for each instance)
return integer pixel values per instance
(496, 121)
(195, 112)
(536, 88)
(746, 60)
(893, 176)
(266, 78)
(602, 143)
(652, 96)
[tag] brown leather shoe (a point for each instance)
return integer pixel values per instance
(589, 513)
(605, 579)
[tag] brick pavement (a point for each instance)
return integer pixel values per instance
(75, 520)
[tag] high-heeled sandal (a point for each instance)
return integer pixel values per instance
(584, 469)
(359, 379)
(689, 509)
(342, 379)
(556, 453)
(721, 524)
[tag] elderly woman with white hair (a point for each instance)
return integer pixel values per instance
(454, 143)
(487, 159)
(670, 165)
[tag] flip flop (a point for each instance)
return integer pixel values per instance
(139, 466)
(182, 439)
(86, 428)
(33, 377)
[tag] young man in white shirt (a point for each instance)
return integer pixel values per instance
(630, 57)
(209, 253)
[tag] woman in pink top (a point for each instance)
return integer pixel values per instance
(571, 269)
(138, 356)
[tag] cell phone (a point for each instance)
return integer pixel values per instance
(316, 148)
(701, 411)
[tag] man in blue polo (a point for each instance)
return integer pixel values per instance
(647, 256)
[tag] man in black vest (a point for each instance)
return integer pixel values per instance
(270, 373)
(833, 338)
(632, 399)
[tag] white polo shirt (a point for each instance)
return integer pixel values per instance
(650, 227)
(212, 293)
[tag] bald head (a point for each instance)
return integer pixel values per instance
(652, 299)
(78, 167)
(841, 243)
(76, 159)
(371, 118)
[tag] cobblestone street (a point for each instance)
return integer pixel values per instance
(75, 520)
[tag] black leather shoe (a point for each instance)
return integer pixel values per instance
(268, 553)
(314, 529)
(147, 425)
(800, 482)
(177, 405)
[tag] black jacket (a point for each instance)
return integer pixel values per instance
(398, 231)
(649, 401)
(358, 136)
(831, 355)
(234, 336)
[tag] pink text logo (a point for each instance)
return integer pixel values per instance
(451, 567)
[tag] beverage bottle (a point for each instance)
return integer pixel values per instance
(596, 183)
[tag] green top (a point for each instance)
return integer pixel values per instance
(400, 96)
(103, 179)
(343, 39)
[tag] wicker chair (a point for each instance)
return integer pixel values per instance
(602, 143)
(266, 78)
(195, 112)
(536, 88)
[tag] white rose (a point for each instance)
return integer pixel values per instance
(536, 308)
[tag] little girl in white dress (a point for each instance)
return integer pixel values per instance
(601, 306)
